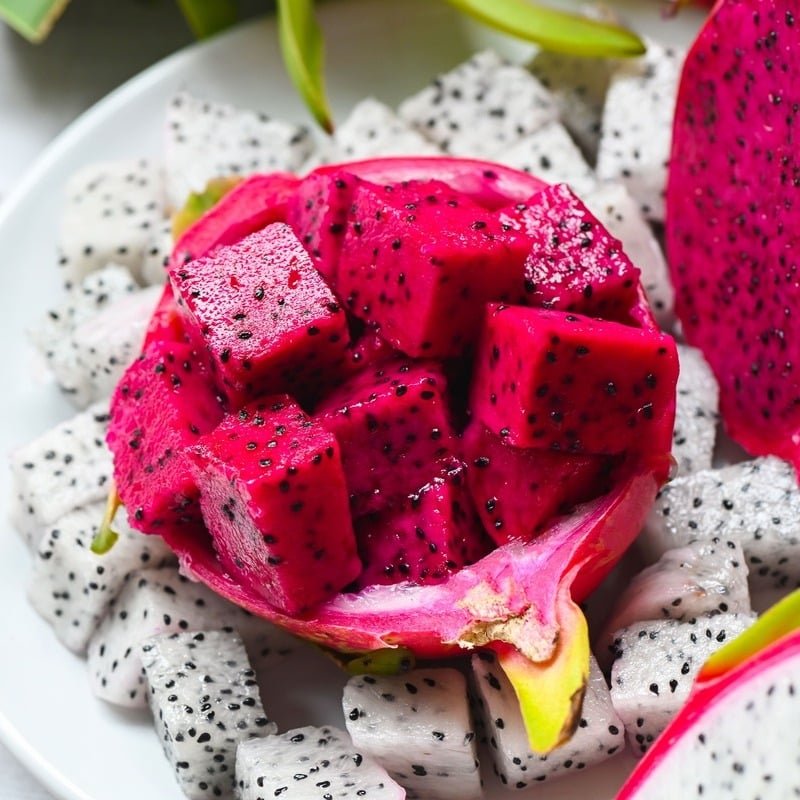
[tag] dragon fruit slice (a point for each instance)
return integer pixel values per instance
(518, 491)
(619, 381)
(656, 663)
(755, 503)
(63, 469)
(161, 407)
(737, 205)
(696, 406)
(266, 317)
(619, 213)
(551, 154)
(418, 727)
(599, 734)
(578, 87)
(71, 587)
(205, 702)
(432, 533)
(392, 426)
(110, 212)
(205, 140)
(635, 144)
(274, 498)
(736, 736)
(468, 259)
(156, 255)
(480, 107)
(309, 763)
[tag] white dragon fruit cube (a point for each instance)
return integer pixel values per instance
(205, 701)
(480, 107)
(637, 125)
(755, 503)
(655, 667)
(599, 735)
(418, 727)
(552, 155)
(65, 468)
(206, 140)
(310, 764)
(110, 212)
(156, 256)
(71, 587)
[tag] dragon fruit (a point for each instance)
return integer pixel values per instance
(599, 734)
(635, 144)
(274, 498)
(433, 532)
(161, 407)
(619, 213)
(550, 153)
(205, 702)
(755, 503)
(392, 426)
(518, 600)
(110, 212)
(156, 255)
(696, 405)
(71, 587)
(480, 107)
(308, 763)
(206, 139)
(468, 258)
(63, 469)
(736, 736)
(730, 217)
(578, 87)
(518, 491)
(418, 727)
(655, 665)
(703, 578)
(279, 328)
(619, 381)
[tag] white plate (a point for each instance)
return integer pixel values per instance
(78, 747)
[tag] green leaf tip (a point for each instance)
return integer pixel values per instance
(304, 56)
(33, 19)
(106, 537)
(197, 203)
(559, 31)
(207, 17)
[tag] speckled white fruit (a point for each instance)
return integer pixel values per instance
(480, 107)
(418, 727)
(156, 256)
(655, 666)
(755, 503)
(110, 210)
(310, 764)
(205, 701)
(552, 155)
(205, 139)
(599, 735)
(71, 587)
(65, 468)
(637, 125)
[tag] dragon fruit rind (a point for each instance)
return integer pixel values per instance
(361, 487)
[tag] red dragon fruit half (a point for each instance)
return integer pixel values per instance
(366, 518)
(732, 216)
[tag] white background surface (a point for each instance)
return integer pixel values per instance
(96, 46)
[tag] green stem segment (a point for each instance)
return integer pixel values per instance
(32, 18)
(106, 537)
(207, 17)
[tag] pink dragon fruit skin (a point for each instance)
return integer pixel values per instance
(274, 499)
(161, 407)
(573, 384)
(574, 263)
(732, 216)
(517, 492)
(425, 252)
(392, 425)
(268, 320)
(432, 533)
